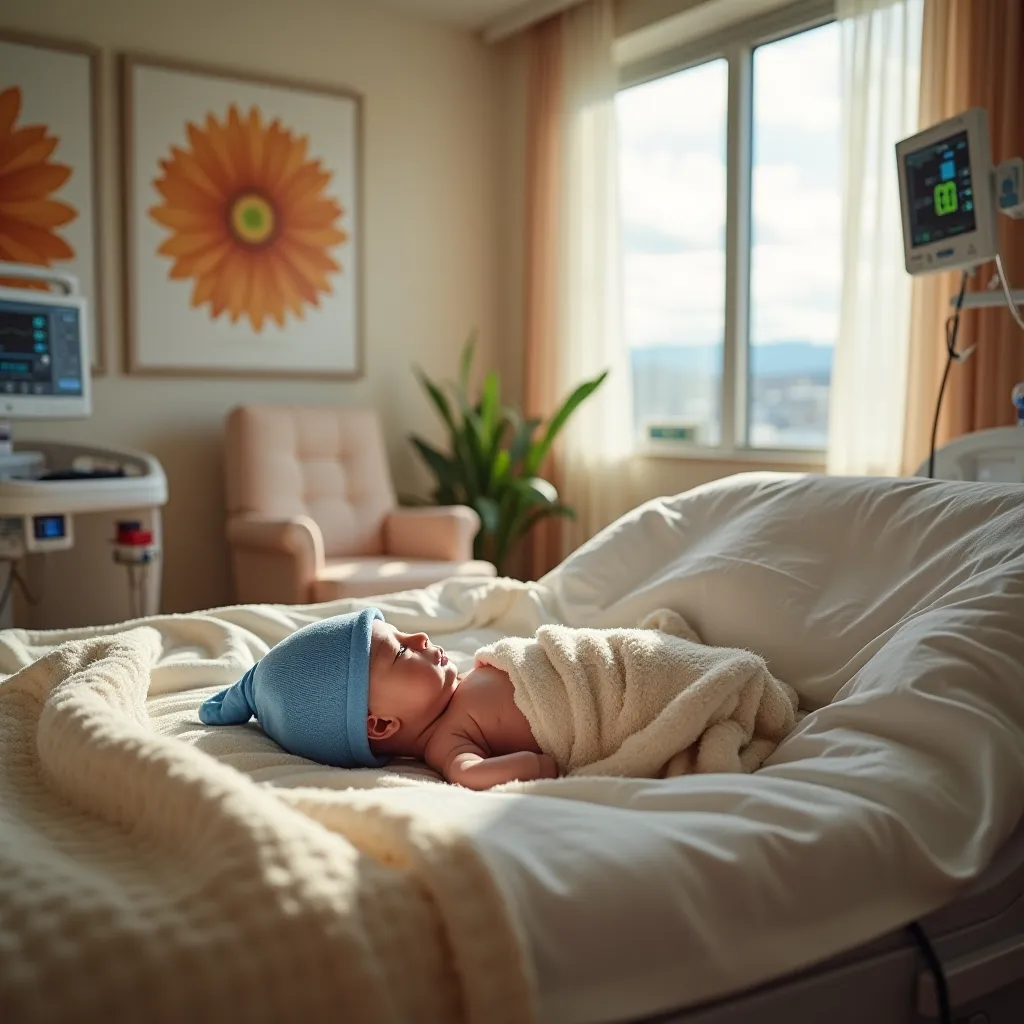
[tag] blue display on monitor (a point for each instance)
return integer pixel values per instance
(49, 527)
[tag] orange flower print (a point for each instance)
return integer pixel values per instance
(249, 220)
(28, 179)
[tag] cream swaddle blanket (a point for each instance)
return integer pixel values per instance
(645, 702)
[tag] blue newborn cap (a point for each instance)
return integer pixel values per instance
(310, 693)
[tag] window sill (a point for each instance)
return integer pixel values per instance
(811, 459)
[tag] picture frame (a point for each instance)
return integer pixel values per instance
(60, 221)
(242, 218)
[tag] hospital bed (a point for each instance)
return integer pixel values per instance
(978, 939)
(885, 829)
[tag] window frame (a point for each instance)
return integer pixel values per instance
(736, 46)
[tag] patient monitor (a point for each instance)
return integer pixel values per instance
(113, 494)
(951, 195)
(946, 182)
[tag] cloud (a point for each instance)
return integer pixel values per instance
(677, 196)
(796, 81)
(795, 293)
(675, 299)
(673, 180)
(788, 208)
(681, 110)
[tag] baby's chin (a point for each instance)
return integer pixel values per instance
(451, 677)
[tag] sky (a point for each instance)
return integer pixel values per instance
(672, 182)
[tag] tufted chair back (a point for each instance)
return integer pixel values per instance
(327, 463)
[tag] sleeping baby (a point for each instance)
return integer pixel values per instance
(353, 691)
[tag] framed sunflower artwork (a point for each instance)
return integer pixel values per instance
(49, 171)
(242, 220)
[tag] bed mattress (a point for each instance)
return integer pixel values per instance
(896, 608)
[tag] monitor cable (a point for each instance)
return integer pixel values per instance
(5, 595)
(952, 329)
(936, 970)
(1007, 293)
(15, 577)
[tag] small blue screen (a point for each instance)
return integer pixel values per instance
(48, 527)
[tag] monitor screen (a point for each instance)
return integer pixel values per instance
(940, 192)
(40, 350)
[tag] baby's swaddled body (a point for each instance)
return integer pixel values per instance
(647, 702)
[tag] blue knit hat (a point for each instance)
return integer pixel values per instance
(310, 693)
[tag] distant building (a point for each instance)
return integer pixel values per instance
(788, 391)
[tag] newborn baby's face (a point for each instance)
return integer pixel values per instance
(411, 683)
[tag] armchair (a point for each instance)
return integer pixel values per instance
(312, 515)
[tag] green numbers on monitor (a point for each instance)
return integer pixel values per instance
(945, 198)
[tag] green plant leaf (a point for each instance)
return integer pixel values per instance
(477, 470)
(439, 400)
(499, 468)
(440, 465)
(522, 440)
(489, 512)
(537, 491)
(490, 403)
(466, 362)
(511, 416)
(539, 451)
(494, 456)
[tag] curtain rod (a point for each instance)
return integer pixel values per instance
(522, 17)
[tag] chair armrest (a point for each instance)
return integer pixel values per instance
(297, 538)
(442, 533)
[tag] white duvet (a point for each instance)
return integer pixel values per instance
(896, 609)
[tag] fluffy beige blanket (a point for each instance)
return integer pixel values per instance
(140, 879)
(645, 702)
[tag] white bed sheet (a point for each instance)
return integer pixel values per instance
(896, 608)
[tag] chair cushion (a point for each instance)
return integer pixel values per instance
(364, 577)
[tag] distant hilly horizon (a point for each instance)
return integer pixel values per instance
(780, 359)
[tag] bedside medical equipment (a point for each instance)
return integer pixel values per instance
(989, 456)
(946, 181)
(950, 198)
(55, 498)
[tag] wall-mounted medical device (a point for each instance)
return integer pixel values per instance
(44, 350)
(947, 195)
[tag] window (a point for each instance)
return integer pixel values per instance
(730, 199)
(672, 181)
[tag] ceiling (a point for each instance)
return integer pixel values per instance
(470, 14)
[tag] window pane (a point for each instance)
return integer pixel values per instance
(672, 180)
(795, 238)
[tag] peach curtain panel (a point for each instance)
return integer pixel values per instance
(573, 273)
(972, 55)
(543, 180)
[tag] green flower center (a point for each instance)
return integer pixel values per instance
(252, 219)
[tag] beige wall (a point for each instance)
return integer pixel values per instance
(431, 231)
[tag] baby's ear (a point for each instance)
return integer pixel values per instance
(380, 728)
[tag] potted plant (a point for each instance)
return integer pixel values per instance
(494, 457)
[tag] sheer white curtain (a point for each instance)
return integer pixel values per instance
(599, 438)
(881, 59)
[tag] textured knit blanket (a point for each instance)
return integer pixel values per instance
(645, 702)
(140, 879)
